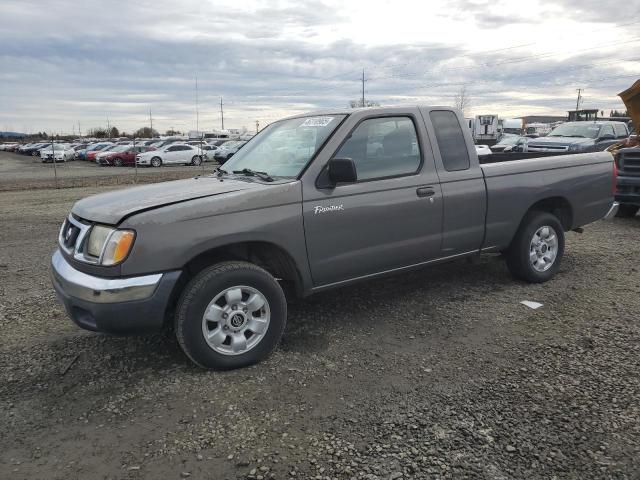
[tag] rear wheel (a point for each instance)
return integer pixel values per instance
(230, 315)
(627, 211)
(537, 248)
(156, 162)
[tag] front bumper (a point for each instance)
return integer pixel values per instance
(628, 189)
(113, 305)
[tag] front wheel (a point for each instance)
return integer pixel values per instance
(537, 248)
(196, 160)
(627, 211)
(156, 162)
(230, 315)
(117, 162)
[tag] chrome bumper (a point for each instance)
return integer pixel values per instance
(612, 211)
(101, 290)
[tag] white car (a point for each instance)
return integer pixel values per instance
(171, 154)
(59, 152)
(483, 150)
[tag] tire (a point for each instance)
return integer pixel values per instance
(117, 162)
(536, 251)
(156, 162)
(215, 290)
(196, 160)
(627, 211)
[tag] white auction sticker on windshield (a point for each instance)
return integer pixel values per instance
(316, 122)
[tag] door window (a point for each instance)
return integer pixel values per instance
(383, 147)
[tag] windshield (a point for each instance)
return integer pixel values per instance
(576, 129)
(284, 148)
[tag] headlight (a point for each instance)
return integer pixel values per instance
(109, 245)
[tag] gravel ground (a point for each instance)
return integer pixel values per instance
(435, 374)
(21, 172)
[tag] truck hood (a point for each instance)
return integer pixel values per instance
(112, 207)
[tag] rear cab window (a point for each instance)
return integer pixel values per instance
(450, 139)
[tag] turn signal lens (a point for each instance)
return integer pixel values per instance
(118, 247)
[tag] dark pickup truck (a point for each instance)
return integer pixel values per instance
(314, 202)
(628, 189)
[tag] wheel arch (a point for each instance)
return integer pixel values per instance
(558, 206)
(268, 255)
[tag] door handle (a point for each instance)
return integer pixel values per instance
(425, 192)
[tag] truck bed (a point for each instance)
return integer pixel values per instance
(513, 186)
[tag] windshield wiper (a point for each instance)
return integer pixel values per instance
(252, 173)
(220, 171)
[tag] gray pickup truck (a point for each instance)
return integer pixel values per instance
(314, 202)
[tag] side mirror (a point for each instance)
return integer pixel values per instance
(342, 170)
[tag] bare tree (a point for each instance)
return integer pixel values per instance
(461, 100)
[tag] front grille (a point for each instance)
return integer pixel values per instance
(69, 235)
(629, 162)
(547, 148)
(72, 237)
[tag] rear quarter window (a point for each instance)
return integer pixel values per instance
(453, 148)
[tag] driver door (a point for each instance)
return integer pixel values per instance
(390, 218)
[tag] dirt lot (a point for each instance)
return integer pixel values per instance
(20, 172)
(437, 374)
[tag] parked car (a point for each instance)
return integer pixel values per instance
(228, 150)
(507, 143)
(9, 147)
(82, 154)
(124, 155)
(580, 137)
(208, 152)
(91, 155)
(483, 150)
(33, 149)
(220, 251)
(57, 153)
(171, 154)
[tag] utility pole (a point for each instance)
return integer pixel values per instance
(150, 124)
(221, 113)
(197, 112)
(363, 87)
(257, 126)
(108, 128)
(200, 152)
(79, 130)
(578, 100)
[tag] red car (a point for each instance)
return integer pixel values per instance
(91, 155)
(121, 155)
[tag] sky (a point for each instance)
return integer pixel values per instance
(68, 65)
